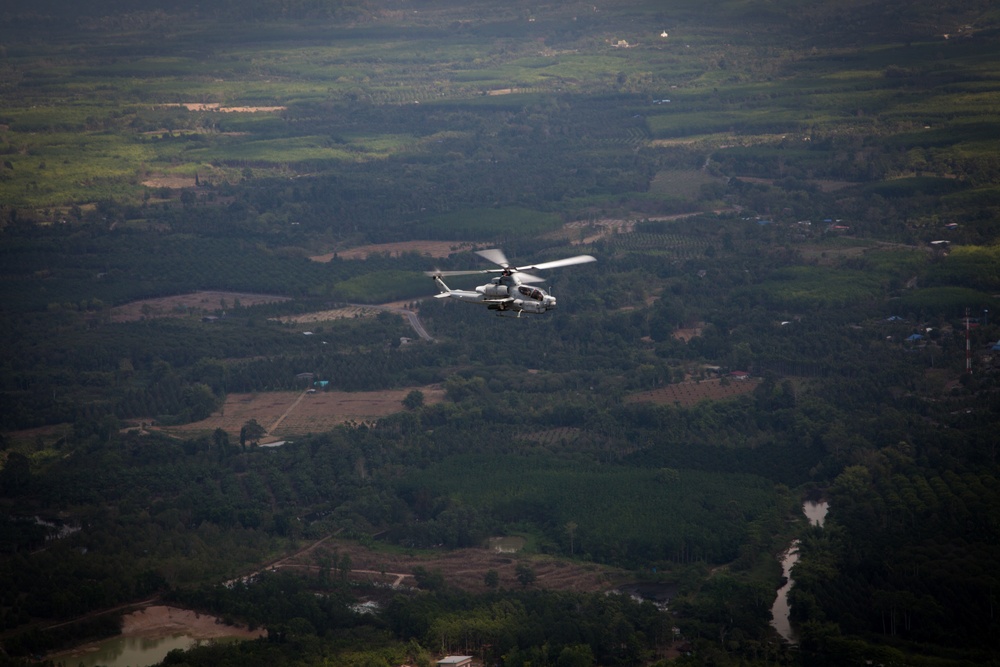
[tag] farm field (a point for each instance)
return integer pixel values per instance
(461, 568)
(287, 413)
(183, 305)
(345, 313)
(426, 248)
(687, 394)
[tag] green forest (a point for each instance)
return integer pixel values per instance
(793, 209)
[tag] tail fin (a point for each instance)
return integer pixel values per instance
(444, 290)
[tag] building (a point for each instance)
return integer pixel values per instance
(455, 661)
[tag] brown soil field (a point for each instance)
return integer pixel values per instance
(215, 106)
(175, 182)
(462, 568)
(594, 230)
(826, 185)
(687, 394)
(348, 312)
(158, 620)
(182, 305)
(287, 413)
(688, 333)
(427, 248)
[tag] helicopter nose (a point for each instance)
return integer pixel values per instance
(550, 302)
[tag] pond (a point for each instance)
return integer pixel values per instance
(129, 651)
(148, 634)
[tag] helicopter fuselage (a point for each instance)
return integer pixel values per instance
(511, 291)
(503, 294)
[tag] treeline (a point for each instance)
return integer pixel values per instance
(87, 268)
(310, 617)
(909, 538)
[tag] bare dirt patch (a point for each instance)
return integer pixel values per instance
(687, 394)
(173, 182)
(687, 333)
(825, 185)
(287, 413)
(345, 313)
(215, 106)
(183, 305)
(462, 568)
(159, 621)
(585, 232)
(426, 248)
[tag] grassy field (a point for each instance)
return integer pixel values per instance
(132, 109)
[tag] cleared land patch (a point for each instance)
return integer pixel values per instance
(462, 568)
(687, 394)
(345, 313)
(297, 414)
(183, 305)
(428, 248)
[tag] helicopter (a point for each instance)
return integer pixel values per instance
(511, 291)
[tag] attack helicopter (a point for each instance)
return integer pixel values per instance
(511, 292)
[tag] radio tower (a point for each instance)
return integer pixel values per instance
(968, 345)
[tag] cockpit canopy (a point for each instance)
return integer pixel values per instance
(531, 292)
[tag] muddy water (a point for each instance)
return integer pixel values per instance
(130, 651)
(816, 513)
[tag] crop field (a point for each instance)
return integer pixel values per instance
(686, 183)
(687, 394)
(288, 413)
(462, 568)
(425, 248)
(678, 246)
(183, 305)
(345, 313)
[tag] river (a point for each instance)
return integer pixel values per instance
(815, 511)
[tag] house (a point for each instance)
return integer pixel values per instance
(739, 375)
(455, 661)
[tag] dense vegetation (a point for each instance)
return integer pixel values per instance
(808, 192)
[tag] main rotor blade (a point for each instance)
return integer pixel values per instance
(460, 273)
(528, 278)
(569, 261)
(494, 255)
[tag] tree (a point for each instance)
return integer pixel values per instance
(580, 655)
(491, 579)
(571, 530)
(525, 574)
(251, 433)
(15, 476)
(427, 579)
(199, 401)
(414, 400)
(221, 440)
